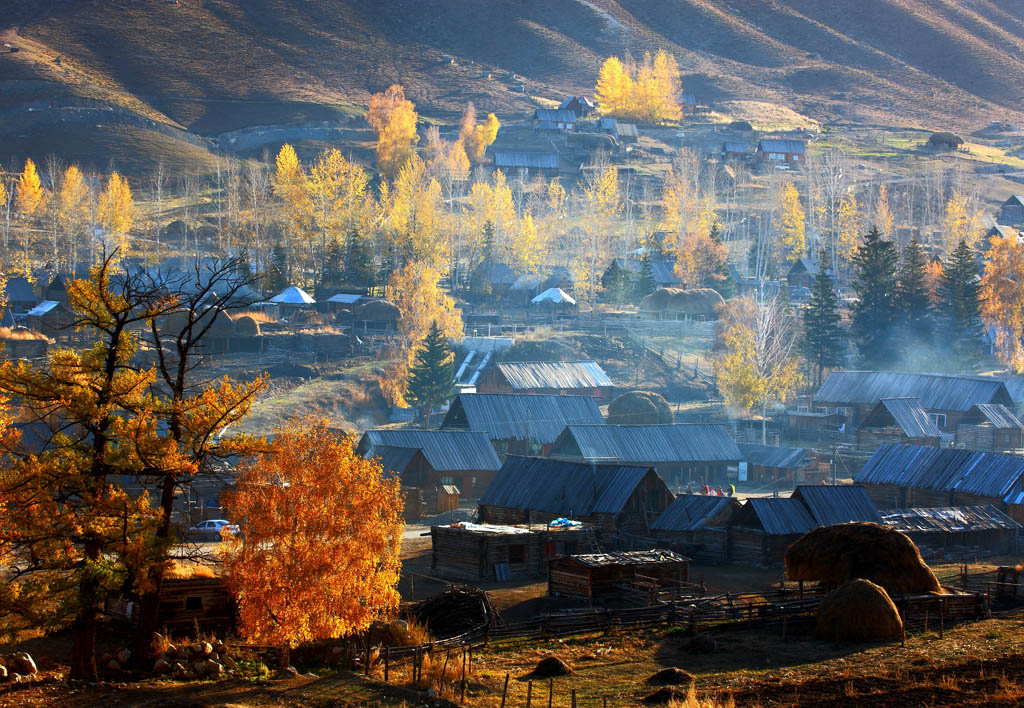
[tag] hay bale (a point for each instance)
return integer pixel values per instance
(640, 408)
(551, 666)
(671, 677)
(222, 325)
(246, 326)
(377, 311)
(858, 611)
(693, 303)
(835, 554)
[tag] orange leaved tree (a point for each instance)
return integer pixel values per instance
(318, 555)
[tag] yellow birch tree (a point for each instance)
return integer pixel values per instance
(1002, 298)
(790, 225)
(117, 210)
(30, 194)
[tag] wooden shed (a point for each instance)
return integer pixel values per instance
(768, 464)
(1012, 211)
(965, 527)
(697, 526)
(51, 318)
(990, 426)
(609, 576)
(187, 603)
(581, 378)
(480, 552)
(764, 528)
(897, 420)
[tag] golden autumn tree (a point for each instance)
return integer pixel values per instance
(601, 203)
(394, 118)
(446, 159)
(700, 259)
(648, 93)
(117, 210)
(884, 218)
(482, 136)
(958, 224)
(614, 90)
(526, 252)
(291, 189)
(336, 192)
(319, 555)
(848, 230)
(30, 194)
(790, 225)
(1002, 298)
(413, 216)
(73, 209)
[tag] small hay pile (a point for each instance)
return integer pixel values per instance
(696, 302)
(246, 326)
(455, 611)
(858, 611)
(187, 570)
(671, 677)
(550, 667)
(640, 408)
(834, 554)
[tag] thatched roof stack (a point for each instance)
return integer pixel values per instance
(377, 311)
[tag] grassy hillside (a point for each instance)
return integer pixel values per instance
(212, 66)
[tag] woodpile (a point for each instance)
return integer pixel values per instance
(457, 610)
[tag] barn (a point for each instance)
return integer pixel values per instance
(51, 318)
(990, 426)
(764, 528)
(518, 424)
(554, 119)
(941, 530)
(603, 577)
(897, 420)
(611, 498)
(581, 378)
(779, 151)
(1012, 211)
(532, 163)
(697, 526)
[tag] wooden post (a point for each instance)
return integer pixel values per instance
(387, 664)
(504, 692)
(942, 617)
(444, 669)
(529, 693)
(551, 690)
(366, 668)
(800, 584)
(574, 698)
(926, 619)
(412, 587)
(605, 701)
(463, 700)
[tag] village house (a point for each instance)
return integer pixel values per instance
(1001, 231)
(581, 378)
(802, 273)
(663, 272)
(779, 151)
(897, 420)
(777, 465)
(684, 455)
(518, 424)
(531, 163)
(1012, 211)
(431, 459)
(51, 318)
(945, 397)
(696, 525)
(611, 498)
(554, 119)
(906, 476)
(18, 295)
(936, 530)
(733, 151)
(830, 504)
(580, 106)
(602, 577)
(990, 426)
(481, 552)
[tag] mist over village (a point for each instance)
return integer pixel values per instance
(587, 354)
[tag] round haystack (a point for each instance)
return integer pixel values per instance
(945, 141)
(246, 326)
(222, 325)
(671, 677)
(550, 667)
(742, 125)
(377, 311)
(858, 611)
(307, 317)
(640, 408)
(835, 554)
(694, 303)
(667, 694)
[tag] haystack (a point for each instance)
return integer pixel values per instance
(835, 554)
(671, 677)
(551, 666)
(246, 326)
(377, 311)
(459, 609)
(222, 326)
(693, 303)
(858, 611)
(640, 408)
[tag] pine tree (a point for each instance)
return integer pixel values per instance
(960, 307)
(432, 375)
(277, 270)
(875, 285)
(823, 339)
(332, 273)
(360, 268)
(915, 322)
(617, 283)
(645, 284)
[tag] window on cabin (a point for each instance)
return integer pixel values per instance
(194, 603)
(516, 554)
(939, 419)
(448, 480)
(801, 409)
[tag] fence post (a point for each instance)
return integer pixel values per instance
(444, 669)
(942, 617)
(463, 685)
(504, 692)
(693, 619)
(574, 698)
(366, 667)
(387, 664)
(529, 693)
(551, 690)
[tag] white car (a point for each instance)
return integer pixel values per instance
(213, 527)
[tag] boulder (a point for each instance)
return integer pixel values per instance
(207, 648)
(162, 666)
(3, 672)
(24, 664)
(214, 668)
(124, 656)
(229, 663)
(113, 665)
(178, 668)
(182, 652)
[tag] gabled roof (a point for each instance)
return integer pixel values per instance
(626, 130)
(1017, 199)
(293, 295)
(986, 474)
(648, 443)
(19, 290)
(948, 519)
(730, 146)
(779, 145)
(780, 516)
(554, 115)
(936, 391)
(655, 556)
(527, 160)
(503, 416)
(810, 265)
(582, 100)
(554, 374)
(345, 298)
(995, 413)
(1003, 231)
(555, 295)
(837, 504)
(608, 123)
(560, 487)
(42, 308)
(690, 512)
(768, 456)
(663, 271)
(495, 273)
(905, 413)
(445, 450)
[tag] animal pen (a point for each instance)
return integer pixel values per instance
(620, 576)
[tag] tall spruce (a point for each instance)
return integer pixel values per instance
(432, 374)
(645, 283)
(618, 283)
(959, 306)
(915, 321)
(875, 284)
(823, 339)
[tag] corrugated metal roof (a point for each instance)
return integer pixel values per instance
(780, 516)
(345, 298)
(768, 456)
(293, 295)
(936, 391)
(554, 374)
(690, 512)
(986, 474)
(495, 273)
(735, 147)
(555, 115)
(906, 413)
(19, 290)
(948, 519)
(1015, 386)
(445, 450)
(560, 487)
(778, 145)
(42, 308)
(997, 414)
(505, 416)
(528, 160)
(837, 504)
(626, 130)
(652, 557)
(808, 264)
(582, 100)
(649, 443)
(663, 271)
(394, 459)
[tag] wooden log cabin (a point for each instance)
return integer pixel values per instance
(937, 530)
(782, 465)
(897, 420)
(484, 552)
(187, 603)
(990, 426)
(764, 528)
(610, 498)
(600, 577)
(560, 378)
(697, 526)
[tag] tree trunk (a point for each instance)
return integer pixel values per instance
(83, 628)
(149, 604)
(764, 422)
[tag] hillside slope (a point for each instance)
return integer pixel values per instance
(212, 66)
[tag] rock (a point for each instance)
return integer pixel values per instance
(24, 663)
(214, 656)
(431, 693)
(220, 648)
(17, 678)
(199, 667)
(124, 656)
(113, 665)
(3, 672)
(229, 663)
(178, 668)
(162, 666)
(206, 648)
(182, 652)
(171, 650)
(214, 668)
